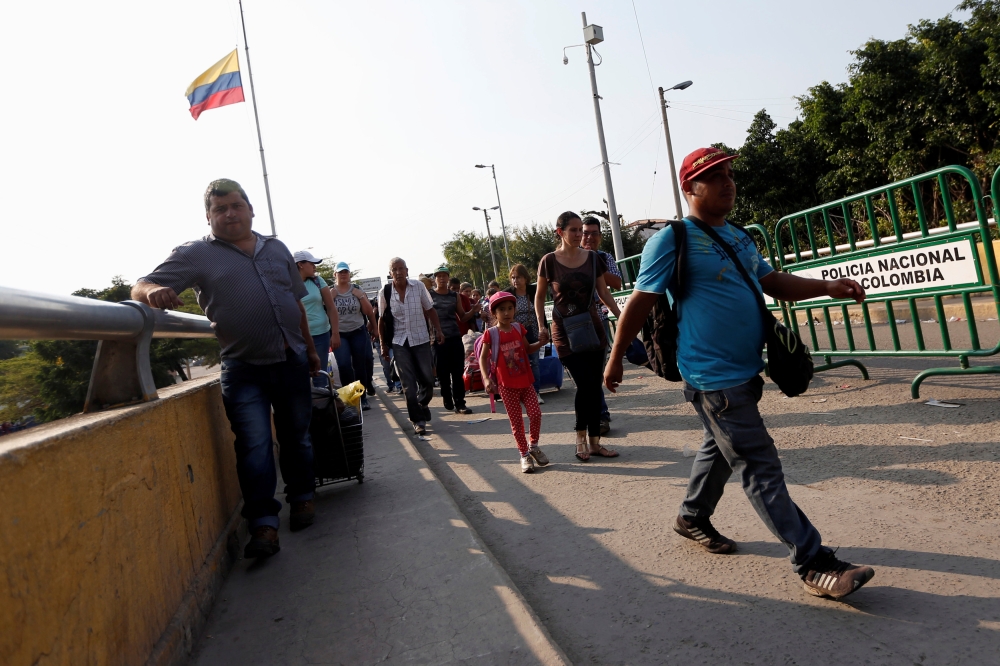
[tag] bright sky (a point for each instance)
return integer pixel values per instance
(373, 115)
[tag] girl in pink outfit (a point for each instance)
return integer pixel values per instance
(511, 372)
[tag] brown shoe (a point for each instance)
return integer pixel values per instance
(263, 543)
(303, 515)
(826, 576)
(704, 533)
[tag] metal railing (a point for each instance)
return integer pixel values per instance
(122, 373)
(853, 228)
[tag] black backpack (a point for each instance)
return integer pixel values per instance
(390, 322)
(659, 333)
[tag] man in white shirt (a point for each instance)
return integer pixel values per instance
(411, 307)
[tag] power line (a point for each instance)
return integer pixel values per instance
(656, 160)
(643, 44)
(712, 115)
(718, 108)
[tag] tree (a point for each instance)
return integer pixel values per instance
(9, 349)
(909, 106)
(19, 389)
(468, 257)
(528, 244)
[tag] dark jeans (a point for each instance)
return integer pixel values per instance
(450, 365)
(415, 374)
(587, 369)
(736, 440)
(322, 344)
(249, 392)
(354, 358)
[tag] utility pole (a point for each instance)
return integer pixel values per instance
(503, 227)
(496, 274)
(595, 35)
(670, 149)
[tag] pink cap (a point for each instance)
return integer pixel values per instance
(499, 297)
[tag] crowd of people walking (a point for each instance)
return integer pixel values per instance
(277, 321)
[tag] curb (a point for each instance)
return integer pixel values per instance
(518, 605)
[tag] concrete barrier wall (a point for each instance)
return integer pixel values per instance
(115, 529)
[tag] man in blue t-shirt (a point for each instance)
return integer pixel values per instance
(719, 345)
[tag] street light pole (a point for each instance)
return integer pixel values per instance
(596, 37)
(496, 274)
(503, 227)
(670, 149)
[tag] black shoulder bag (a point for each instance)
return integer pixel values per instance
(659, 333)
(789, 363)
(390, 322)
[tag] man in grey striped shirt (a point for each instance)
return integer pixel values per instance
(249, 287)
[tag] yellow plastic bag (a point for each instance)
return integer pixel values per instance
(351, 394)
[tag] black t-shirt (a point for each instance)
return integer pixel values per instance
(446, 306)
(571, 294)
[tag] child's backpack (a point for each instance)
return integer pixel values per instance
(494, 334)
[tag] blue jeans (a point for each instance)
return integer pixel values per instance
(248, 393)
(354, 358)
(322, 344)
(736, 440)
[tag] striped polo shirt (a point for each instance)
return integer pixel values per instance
(252, 302)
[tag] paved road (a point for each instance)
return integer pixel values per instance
(389, 574)
(588, 544)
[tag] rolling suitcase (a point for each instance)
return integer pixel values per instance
(550, 368)
(337, 439)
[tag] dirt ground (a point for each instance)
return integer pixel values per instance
(909, 489)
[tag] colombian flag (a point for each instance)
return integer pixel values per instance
(218, 86)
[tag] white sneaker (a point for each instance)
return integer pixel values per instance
(527, 465)
(541, 401)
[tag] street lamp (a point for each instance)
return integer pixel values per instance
(670, 148)
(594, 34)
(496, 274)
(503, 228)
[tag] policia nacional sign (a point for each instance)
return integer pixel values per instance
(926, 265)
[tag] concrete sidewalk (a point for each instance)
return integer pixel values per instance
(390, 573)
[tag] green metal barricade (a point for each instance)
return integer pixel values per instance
(864, 237)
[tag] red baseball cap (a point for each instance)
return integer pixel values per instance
(499, 297)
(701, 160)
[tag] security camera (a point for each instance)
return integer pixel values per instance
(565, 60)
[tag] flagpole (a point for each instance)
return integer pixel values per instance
(260, 142)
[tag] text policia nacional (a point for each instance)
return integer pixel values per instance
(919, 267)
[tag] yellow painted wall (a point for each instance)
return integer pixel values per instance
(106, 520)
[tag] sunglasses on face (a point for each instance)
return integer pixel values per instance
(591, 233)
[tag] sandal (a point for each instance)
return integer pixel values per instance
(601, 451)
(582, 454)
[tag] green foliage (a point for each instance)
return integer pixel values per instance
(468, 257)
(19, 390)
(528, 244)
(9, 349)
(909, 106)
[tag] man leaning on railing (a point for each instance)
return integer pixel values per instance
(249, 287)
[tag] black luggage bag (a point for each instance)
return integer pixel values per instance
(337, 439)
